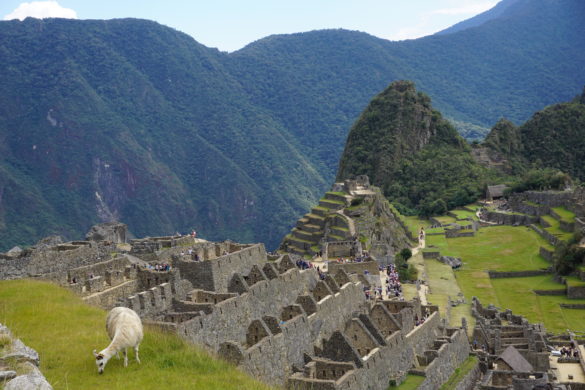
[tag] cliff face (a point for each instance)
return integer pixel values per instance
(414, 155)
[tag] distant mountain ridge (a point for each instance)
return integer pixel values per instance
(131, 120)
(500, 9)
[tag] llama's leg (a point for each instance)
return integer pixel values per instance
(125, 357)
(136, 353)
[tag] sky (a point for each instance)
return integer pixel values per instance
(231, 24)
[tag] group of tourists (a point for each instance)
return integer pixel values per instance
(393, 286)
(302, 264)
(569, 351)
(160, 267)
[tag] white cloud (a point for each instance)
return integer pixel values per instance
(40, 10)
(430, 22)
(466, 9)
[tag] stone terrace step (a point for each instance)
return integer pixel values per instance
(331, 204)
(293, 249)
(307, 236)
(340, 231)
(320, 211)
(338, 196)
(312, 228)
(300, 243)
(316, 220)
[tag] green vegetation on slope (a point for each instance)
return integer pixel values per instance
(64, 331)
(413, 154)
(460, 373)
(550, 142)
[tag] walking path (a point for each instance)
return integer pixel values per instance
(423, 288)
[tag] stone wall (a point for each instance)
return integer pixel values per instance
(274, 357)
(508, 219)
(423, 335)
(517, 274)
(549, 198)
(575, 292)
(53, 263)
(468, 381)
(230, 318)
(449, 356)
(215, 275)
(547, 253)
(109, 298)
(22, 362)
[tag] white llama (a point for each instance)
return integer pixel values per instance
(125, 330)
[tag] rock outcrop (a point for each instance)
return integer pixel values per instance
(19, 364)
(110, 231)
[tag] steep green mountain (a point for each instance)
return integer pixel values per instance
(553, 138)
(131, 120)
(413, 153)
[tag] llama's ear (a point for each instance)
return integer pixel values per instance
(95, 353)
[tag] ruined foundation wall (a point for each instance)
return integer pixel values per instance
(230, 318)
(214, 275)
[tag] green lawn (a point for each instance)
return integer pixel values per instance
(555, 228)
(473, 206)
(64, 331)
(565, 214)
(410, 383)
(460, 373)
(464, 214)
(414, 224)
(438, 242)
(574, 281)
(442, 285)
(517, 294)
(445, 219)
(501, 248)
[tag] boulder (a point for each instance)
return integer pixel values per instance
(48, 242)
(34, 380)
(110, 231)
(454, 262)
(14, 252)
(21, 352)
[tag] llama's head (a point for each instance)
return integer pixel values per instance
(100, 361)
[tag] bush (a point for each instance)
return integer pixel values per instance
(406, 254)
(568, 256)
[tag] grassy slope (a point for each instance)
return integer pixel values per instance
(410, 383)
(64, 331)
(460, 373)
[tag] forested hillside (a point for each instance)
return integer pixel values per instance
(131, 120)
(416, 156)
(552, 138)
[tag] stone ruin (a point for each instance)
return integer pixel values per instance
(285, 326)
(514, 354)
